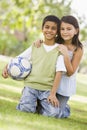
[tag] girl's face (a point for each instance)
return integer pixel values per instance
(67, 31)
(49, 30)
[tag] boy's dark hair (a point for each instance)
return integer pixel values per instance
(52, 18)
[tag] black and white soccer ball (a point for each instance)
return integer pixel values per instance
(19, 68)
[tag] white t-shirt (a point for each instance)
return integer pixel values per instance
(60, 66)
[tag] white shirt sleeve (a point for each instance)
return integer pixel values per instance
(26, 53)
(60, 65)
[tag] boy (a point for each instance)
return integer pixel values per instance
(47, 68)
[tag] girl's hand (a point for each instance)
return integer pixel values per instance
(63, 49)
(5, 72)
(38, 43)
(53, 100)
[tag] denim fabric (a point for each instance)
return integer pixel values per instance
(28, 103)
(64, 109)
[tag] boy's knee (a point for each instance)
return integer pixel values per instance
(25, 108)
(51, 112)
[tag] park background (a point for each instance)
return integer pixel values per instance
(20, 26)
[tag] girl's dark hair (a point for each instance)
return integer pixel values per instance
(52, 18)
(71, 20)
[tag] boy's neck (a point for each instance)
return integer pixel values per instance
(49, 42)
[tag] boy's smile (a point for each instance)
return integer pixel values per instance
(50, 30)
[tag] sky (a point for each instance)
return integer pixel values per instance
(80, 7)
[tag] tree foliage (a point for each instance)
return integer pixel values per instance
(21, 20)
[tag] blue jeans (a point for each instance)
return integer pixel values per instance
(28, 103)
(63, 109)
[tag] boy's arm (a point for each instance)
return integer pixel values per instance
(38, 43)
(26, 53)
(52, 97)
(60, 68)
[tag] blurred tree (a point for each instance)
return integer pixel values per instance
(22, 19)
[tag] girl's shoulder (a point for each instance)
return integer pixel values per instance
(78, 52)
(75, 52)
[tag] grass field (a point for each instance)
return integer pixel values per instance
(11, 119)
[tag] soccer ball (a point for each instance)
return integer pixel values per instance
(19, 68)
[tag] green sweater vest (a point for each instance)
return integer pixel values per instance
(43, 68)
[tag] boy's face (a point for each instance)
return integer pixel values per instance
(49, 30)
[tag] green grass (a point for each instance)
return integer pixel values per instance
(82, 85)
(11, 119)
